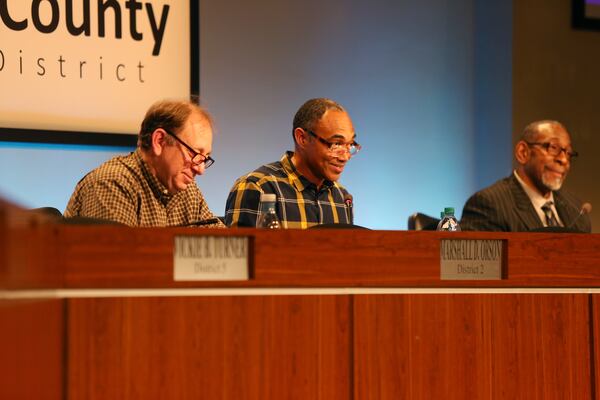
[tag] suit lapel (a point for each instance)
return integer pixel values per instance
(567, 212)
(524, 208)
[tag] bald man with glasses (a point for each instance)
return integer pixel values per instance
(305, 181)
(531, 198)
(154, 185)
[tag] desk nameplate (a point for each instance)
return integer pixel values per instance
(210, 258)
(471, 259)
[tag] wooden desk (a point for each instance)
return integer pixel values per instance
(92, 312)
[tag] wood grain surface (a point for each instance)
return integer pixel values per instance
(280, 347)
(517, 346)
(113, 256)
(32, 364)
(360, 346)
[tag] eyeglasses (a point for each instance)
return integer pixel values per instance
(554, 149)
(337, 148)
(197, 158)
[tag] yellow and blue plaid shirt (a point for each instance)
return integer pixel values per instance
(299, 203)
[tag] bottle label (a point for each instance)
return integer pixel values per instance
(449, 224)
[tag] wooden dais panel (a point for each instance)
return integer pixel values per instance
(257, 347)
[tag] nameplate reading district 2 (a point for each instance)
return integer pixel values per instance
(471, 259)
(210, 258)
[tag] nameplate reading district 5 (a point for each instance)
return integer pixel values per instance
(471, 259)
(210, 258)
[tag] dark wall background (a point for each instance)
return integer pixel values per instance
(556, 76)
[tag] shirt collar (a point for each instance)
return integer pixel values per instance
(158, 189)
(299, 181)
(537, 199)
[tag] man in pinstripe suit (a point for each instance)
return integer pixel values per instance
(530, 198)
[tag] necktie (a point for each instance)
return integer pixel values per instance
(550, 217)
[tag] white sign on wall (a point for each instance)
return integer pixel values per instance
(82, 66)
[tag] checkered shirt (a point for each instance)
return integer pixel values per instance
(299, 203)
(123, 190)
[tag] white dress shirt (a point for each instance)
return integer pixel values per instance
(538, 201)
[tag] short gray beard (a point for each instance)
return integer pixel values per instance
(552, 184)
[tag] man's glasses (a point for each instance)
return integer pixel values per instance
(337, 148)
(554, 150)
(197, 158)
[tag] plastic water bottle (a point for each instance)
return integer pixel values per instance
(268, 217)
(448, 222)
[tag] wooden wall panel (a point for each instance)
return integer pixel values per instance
(541, 346)
(514, 346)
(271, 347)
(595, 342)
(31, 349)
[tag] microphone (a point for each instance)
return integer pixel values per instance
(203, 222)
(348, 203)
(586, 208)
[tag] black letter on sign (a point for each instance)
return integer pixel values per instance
(119, 75)
(140, 66)
(2, 57)
(133, 6)
(8, 21)
(42, 69)
(35, 16)
(158, 31)
(102, 7)
(85, 24)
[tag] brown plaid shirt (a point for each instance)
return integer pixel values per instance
(123, 190)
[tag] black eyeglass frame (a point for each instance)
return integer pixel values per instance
(547, 145)
(207, 160)
(331, 144)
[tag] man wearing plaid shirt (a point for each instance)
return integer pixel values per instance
(154, 185)
(305, 180)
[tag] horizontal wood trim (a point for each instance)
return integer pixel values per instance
(54, 255)
(316, 291)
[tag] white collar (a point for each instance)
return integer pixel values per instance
(537, 199)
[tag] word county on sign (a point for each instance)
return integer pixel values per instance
(117, 54)
(105, 9)
(104, 6)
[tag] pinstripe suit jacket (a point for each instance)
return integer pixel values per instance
(505, 206)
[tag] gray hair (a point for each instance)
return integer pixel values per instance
(532, 130)
(170, 115)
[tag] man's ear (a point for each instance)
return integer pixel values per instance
(301, 137)
(159, 141)
(522, 152)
